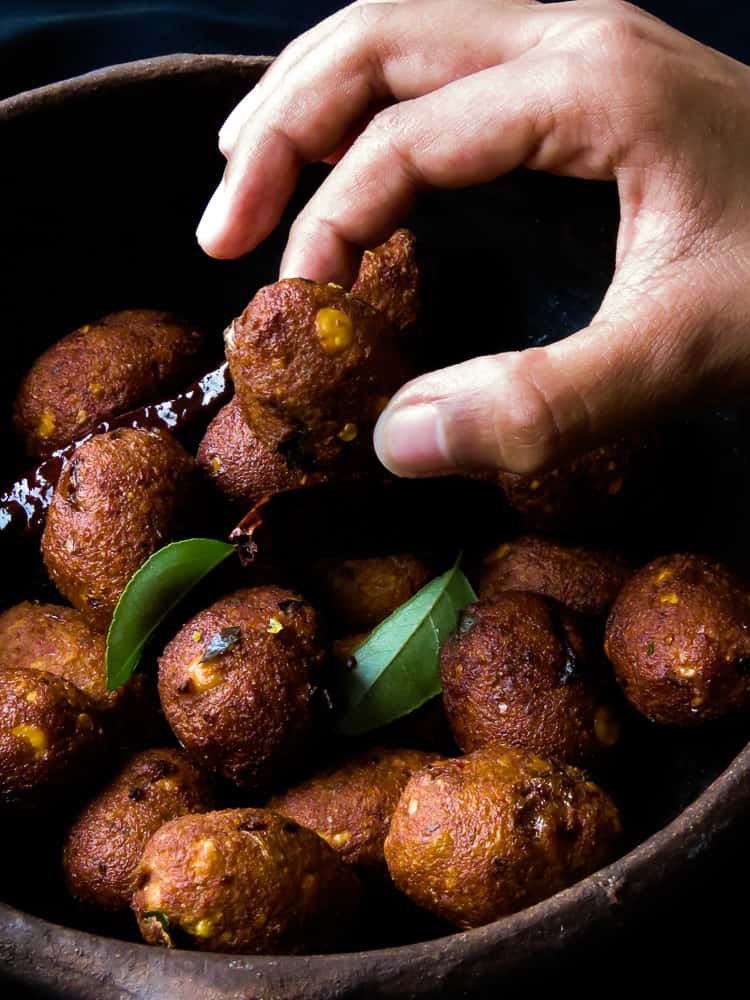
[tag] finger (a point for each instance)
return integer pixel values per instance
(453, 137)
(279, 70)
(524, 411)
(377, 54)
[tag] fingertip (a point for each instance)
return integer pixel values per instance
(313, 254)
(410, 441)
(210, 231)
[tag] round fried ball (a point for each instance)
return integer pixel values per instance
(476, 838)
(104, 368)
(49, 736)
(237, 682)
(519, 671)
(678, 637)
(358, 594)
(120, 498)
(60, 641)
(590, 485)
(313, 367)
(106, 841)
(584, 579)
(243, 880)
(351, 806)
(389, 280)
(243, 467)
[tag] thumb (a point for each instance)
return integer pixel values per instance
(640, 358)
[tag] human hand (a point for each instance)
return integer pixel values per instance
(589, 88)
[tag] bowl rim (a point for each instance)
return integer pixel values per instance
(604, 898)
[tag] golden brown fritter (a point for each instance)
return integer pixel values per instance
(358, 594)
(104, 368)
(571, 494)
(60, 641)
(121, 497)
(678, 636)
(245, 712)
(244, 880)
(485, 835)
(584, 579)
(106, 841)
(351, 806)
(49, 736)
(389, 280)
(313, 367)
(243, 468)
(519, 671)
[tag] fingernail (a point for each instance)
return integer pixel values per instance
(212, 220)
(410, 441)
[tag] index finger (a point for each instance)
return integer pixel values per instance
(381, 52)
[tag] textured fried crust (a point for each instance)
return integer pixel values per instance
(49, 734)
(313, 367)
(244, 880)
(351, 806)
(121, 497)
(678, 637)
(106, 841)
(485, 835)
(519, 671)
(584, 579)
(586, 486)
(244, 468)
(246, 713)
(118, 363)
(389, 280)
(358, 594)
(60, 641)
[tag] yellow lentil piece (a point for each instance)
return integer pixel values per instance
(46, 424)
(33, 735)
(335, 330)
(348, 432)
(499, 553)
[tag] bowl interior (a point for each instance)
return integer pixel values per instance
(102, 185)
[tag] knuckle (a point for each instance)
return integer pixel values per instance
(364, 23)
(386, 124)
(524, 421)
(617, 37)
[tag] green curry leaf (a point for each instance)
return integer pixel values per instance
(152, 592)
(398, 664)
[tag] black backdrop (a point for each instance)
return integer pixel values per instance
(46, 40)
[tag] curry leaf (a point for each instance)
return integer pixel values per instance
(153, 591)
(398, 664)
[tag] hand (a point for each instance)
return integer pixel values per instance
(590, 88)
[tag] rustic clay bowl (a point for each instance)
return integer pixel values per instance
(102, 179)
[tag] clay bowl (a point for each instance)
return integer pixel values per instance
(102, 180)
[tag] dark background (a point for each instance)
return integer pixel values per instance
(696, 937)
(46, 40)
